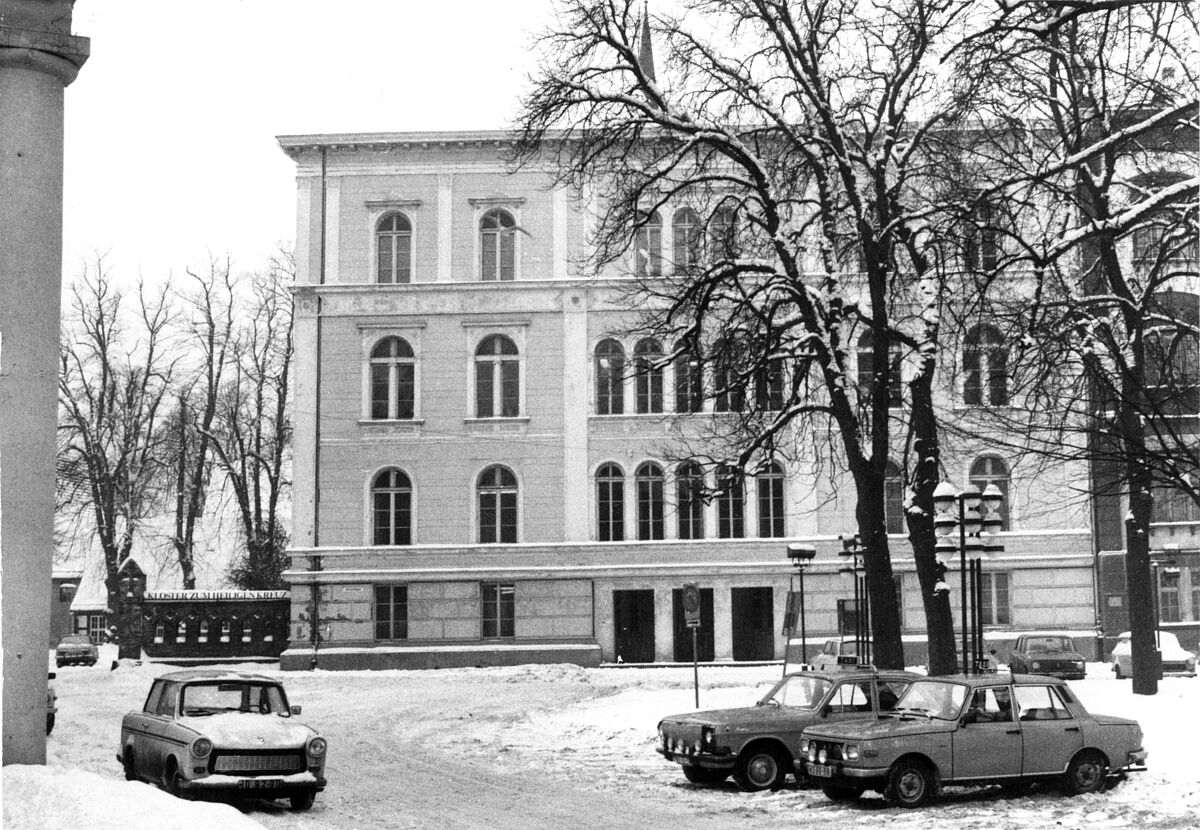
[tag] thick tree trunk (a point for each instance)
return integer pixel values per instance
(887, 647)
(1142, 617)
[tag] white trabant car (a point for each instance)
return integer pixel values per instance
(210, 733)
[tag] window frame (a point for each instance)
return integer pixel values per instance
(991, 610)
(985, 381)
(499, 380)
(501, 490)
(502, 624)
(394, 235)
(499, 234)
(687, 239)
(396, 629)
(398, 493)
(649, 398)
(689, 500)
(610, 503)
(731, 503)
(688, 366)
(648, 236)
(651, 511)
(609, 386)
(397, 407)
(371, 336)
(770, 495)
(981, 478)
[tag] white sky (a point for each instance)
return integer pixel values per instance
(171, 125)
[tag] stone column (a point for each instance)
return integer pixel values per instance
(38, 58)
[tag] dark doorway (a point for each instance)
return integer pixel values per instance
(705, 643)
(753, 624)
(633, 626)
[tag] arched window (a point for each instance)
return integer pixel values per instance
(1173, 354)
(768, 385)
(393, 380)
(497, 378)
(647, 364)
(731, 507)
(247, 630)
(985, 368)
(689, 379)
(893, 498)
(992, 470)
(648, 247)
(689, 494)
(497, 505)
(981, 247)
(497, 245)
(866, 370)
(771, 523)
(610, 378)
(181, 632)
(393, 242)
(722, 234)
(391, 508)
(685, 233)
(727, 380)
(610, 501)
(650, 502)
(203, 637)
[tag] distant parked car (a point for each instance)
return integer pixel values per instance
(51, 703)
(835, 652)
(758, 744)
(974, 729)
(1049, 653)
(1176, 660)
(76, 648)
(205, 732)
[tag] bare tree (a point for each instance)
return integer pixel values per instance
(252, 430)
(811, 137)
(113, 383)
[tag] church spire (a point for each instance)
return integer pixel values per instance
(645, 46)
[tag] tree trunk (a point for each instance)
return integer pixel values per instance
(1143, 621)
(887, 647)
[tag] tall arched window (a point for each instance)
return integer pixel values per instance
(731, 503)
(650, 502)
(985, 368)
(771, 523)
(610, 378)
(647, 363)
(391, 508)
(981, 243)
(393, 380)
(393, 243)
(610, 503)
(648, 247)
(991, 470)
(689, 495)
(1173, 354)
(866, 369)
(689, 379)
(722, 234)
(497, 378)
(727, 381)
(685, 243)
(497, 505)
(497, 245)
(768, 385)
(893, 498)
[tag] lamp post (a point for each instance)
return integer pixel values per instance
(851, 545)
(800, 556)
(978, 514)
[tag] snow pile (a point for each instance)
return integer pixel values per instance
(49, 798)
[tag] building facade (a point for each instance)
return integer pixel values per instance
(486, 462)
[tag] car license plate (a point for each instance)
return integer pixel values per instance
(265, 784)
(819, 770)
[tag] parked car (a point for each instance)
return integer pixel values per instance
(835, 652)
(1049, 653)
(973, 729)
(758, 744)
(51, 703)
(76, 648)
(204, 732)
(1176, 660)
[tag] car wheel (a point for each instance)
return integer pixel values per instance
(700, 775)
(760, 768)
(842, 793)
(49, 723)
(1086, 773)
(909, 784)
(173, 781)
(303, 801)
(128, 765)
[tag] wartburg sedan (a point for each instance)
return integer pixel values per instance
(988, 729)
(226, 734)
(758, 744)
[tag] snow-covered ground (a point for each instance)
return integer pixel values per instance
(552, 746)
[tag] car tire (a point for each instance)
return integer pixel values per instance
(760, 768)
(49, 723)
(910, 784)
(303, 801)
(842, 793)
(172, 781)
(1086, 773)
(700, 775)
(127, 763)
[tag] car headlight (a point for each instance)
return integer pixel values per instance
(1191, 663)
(707, 736)
(1079, 664)
(812, 752)
(850, 753)
(316, 747)
(804, 746)
(822, 757)
(1037, 665)
(201, 747)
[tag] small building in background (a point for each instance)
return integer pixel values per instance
(64, 584)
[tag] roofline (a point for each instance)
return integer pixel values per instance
(293, 144)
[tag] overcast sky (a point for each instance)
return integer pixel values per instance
(171, 125)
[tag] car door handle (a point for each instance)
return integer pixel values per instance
(1016, 731)
(1071, 729)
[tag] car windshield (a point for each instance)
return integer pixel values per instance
(799, 691)
(933, 699)
(1168, 640)
(76, 639)
(1035, 645)
(210, 698)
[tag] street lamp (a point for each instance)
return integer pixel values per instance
(978, 516)
(851, 545)
(800, 556)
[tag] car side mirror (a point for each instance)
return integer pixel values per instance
(295, 710)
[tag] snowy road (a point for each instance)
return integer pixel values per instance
(564, 747)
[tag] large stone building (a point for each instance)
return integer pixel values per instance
(477, 481)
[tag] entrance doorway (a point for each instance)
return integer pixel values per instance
(633, 626)
(705, 642)
(753, 624)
